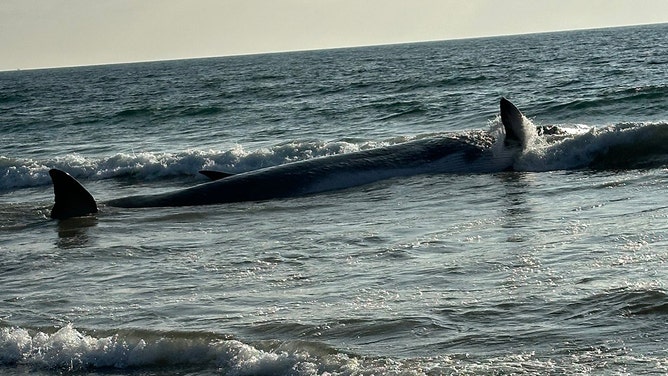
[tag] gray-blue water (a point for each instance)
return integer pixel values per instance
(558, 267)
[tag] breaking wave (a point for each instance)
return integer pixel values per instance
(70, 349)
(18, 173)
(620, 146)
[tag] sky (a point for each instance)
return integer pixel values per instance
(55, 33)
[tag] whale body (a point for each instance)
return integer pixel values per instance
(474, 151)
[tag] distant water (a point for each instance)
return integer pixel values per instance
(556, 268)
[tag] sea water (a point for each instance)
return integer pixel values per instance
(557, 267)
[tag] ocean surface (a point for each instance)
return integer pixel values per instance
(556, 267)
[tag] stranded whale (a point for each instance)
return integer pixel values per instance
(475, 151)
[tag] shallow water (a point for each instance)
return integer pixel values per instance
(558, 267)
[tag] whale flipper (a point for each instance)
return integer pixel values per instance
(215, 175)
(513, 124)
(72, 199)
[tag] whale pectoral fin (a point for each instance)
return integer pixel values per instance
(215, 175)
(71, 198)
(513, 123)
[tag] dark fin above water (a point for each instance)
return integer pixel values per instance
(72, 199)
(513, 123)
(215, 175)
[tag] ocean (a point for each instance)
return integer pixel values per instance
(556, 267)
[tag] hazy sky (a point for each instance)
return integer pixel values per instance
(49, 33)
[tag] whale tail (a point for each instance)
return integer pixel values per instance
(72, 199)
(517, 133)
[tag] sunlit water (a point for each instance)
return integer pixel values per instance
(556, 268)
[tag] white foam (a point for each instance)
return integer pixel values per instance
(577, 146)
(574, 147)
(21, 173)
(68, 349)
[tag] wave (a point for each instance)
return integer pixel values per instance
(141, 351)
(622, 101)
(69, 349)
(19, 173)
(172, 112)
(400, 109)
(626, 301)
(618, 147)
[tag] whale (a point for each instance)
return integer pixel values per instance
(475, 151)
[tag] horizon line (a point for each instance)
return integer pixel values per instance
(329, 48)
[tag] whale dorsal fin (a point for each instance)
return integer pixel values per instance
(513, 124)
(72, 199)
(215, 175)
